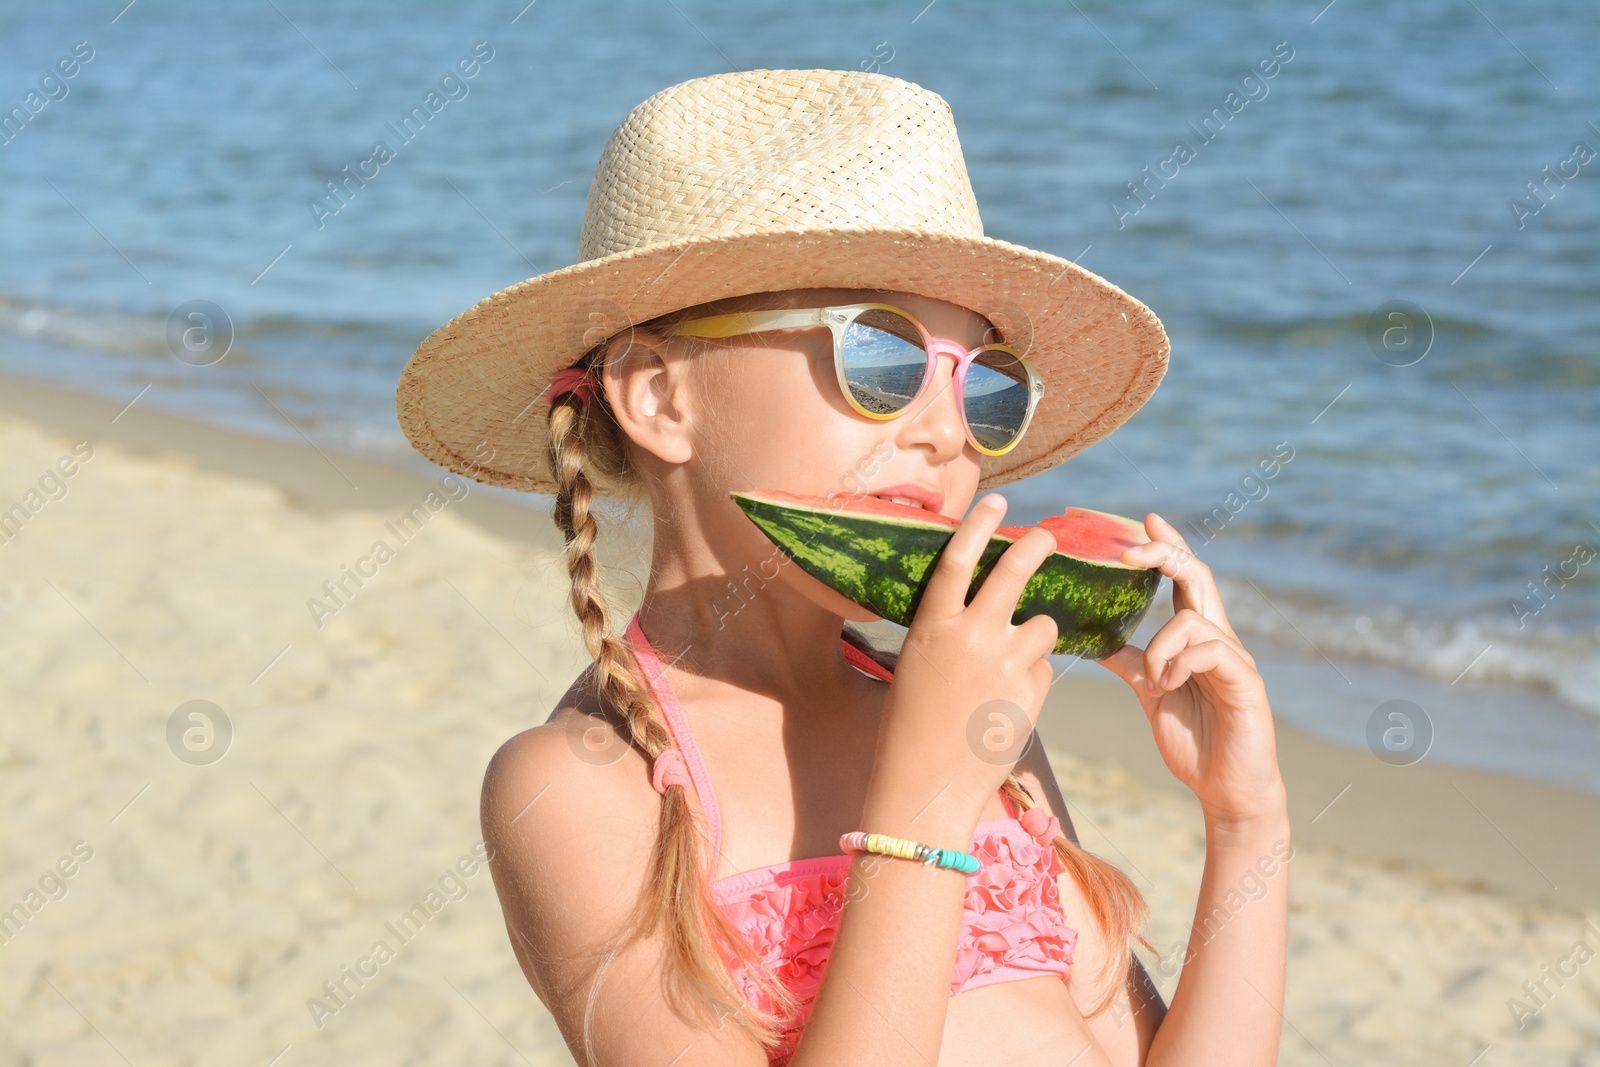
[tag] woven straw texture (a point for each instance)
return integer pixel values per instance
(766, 180)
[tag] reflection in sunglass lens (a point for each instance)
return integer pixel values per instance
(996, 398)
(884, 361)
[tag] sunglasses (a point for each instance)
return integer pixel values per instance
(884, 360)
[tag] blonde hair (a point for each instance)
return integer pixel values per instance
(586, 445)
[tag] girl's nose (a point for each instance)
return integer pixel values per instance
(937, 420)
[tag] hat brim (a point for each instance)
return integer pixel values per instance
(472, 396)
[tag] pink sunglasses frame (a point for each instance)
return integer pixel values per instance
(837, 318)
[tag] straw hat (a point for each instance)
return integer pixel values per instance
(767, 180)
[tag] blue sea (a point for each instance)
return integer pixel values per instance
(1377, 264)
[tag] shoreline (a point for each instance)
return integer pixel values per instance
(1502, 832)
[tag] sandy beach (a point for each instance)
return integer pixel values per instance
(210, 882)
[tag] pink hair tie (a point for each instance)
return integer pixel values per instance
(1040, 824)
(669, 769)
(579, 380)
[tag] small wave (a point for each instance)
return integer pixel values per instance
(114, 332)
(382, 442)
(1324, 329)
(117, 333)
(1481, 351)
(1467, 651)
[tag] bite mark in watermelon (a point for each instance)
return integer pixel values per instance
(881, 554)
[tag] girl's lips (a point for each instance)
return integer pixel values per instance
(930, 499)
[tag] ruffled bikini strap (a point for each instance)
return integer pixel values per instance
(1041, 825)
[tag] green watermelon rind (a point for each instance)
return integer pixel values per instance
(884, 565)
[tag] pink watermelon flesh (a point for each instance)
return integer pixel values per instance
(1088, 534)
(1080, 532)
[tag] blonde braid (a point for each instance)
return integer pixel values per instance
(681, 901)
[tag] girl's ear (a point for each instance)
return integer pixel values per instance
(645, 377)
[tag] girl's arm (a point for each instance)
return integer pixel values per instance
(886, 993)
(1209, 714)
(1213, 726)
(570, 843)
(1237, 936)
(1228, 1007)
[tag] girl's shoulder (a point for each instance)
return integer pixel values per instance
(578, 771)
(571, 818)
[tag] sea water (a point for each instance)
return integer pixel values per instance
(1370, 232)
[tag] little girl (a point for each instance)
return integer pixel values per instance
(709, 854)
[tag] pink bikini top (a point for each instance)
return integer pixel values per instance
(1013, 926)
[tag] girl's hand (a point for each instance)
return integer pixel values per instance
(1200, 689)
(969, 685)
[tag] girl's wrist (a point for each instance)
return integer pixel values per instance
(1268, 818)
(940, 820)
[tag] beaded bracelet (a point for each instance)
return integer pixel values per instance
(927, 855)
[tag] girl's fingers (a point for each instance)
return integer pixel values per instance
(1173, 533)
(946, 594)
(1002, 587)
(1167, 552)
(1036, 637)
(1208, 657)
(1127, 663)
(1193, 585)
(1186, 646)
(1188, 627)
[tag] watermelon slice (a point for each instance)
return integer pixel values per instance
(881, 554)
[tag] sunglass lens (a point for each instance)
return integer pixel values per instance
(884, 361)
(996, 398)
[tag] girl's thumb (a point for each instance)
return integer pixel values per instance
(1127, 663)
